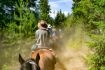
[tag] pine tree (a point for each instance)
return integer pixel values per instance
(24, 21)
(44, 10)
(59, 19)
(90, 12)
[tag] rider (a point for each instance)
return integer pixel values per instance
(42, 36)
(49, 28)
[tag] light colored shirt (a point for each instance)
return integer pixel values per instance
(42, 38)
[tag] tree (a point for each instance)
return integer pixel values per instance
(59, 19)
(24, 21)
(97, 60)
(7, 7)
(90, 12)
(44, 10)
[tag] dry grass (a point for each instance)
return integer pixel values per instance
(70, 56)
(9, 53)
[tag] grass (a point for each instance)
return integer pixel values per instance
(9, 53)
(11, 49)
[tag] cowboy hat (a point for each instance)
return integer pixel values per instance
(42, 24)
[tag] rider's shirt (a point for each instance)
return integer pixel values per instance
(42, 38)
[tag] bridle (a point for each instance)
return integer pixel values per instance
(34, 65)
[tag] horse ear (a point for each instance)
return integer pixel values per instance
(37, 58)
(21, 60)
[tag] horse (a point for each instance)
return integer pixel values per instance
(41, 59)
(29, 64)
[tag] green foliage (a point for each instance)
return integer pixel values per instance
(44, 10)
(7, 8)
(91, 11)
(59, 19)
(96, 21)
(97, 59)
(26, 20)
(90, 14)
(23, 23)
(4, 67)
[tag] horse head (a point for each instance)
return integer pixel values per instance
(29, 64)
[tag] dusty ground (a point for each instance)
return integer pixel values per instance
(72, 59)
(70, 56)
(73, 53)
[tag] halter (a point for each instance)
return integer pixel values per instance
(34, 65)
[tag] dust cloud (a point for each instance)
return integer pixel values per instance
(73, 53)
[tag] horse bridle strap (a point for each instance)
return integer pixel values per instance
(34, 64)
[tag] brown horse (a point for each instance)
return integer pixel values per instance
(47, 58)
(41, 59)
(29, 64)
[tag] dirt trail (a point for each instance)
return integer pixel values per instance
(70, 56)
(72, 59)
(74, 52)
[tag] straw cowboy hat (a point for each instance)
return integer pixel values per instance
(42, 24)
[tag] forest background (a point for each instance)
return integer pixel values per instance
(18, 24)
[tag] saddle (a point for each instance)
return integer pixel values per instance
(36, 51)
